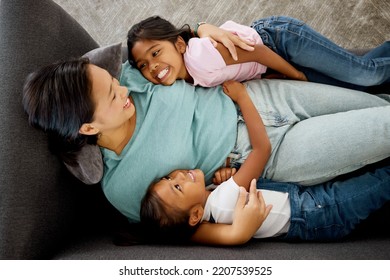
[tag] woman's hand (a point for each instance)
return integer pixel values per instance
(228, 39)
(223, 174)
(249, 214)
(234, 90)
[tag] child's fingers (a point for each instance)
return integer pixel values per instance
(223, 175)
(225, 88)
(233, 41)
(217, 178)
(264, 208)
(242, 198)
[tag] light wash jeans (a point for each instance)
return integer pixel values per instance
(332, 210)
(319, 58)
(317, 131)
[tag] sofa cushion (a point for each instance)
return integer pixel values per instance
(107, 57)
(37, 202)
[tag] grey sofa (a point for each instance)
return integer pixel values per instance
(46, 213)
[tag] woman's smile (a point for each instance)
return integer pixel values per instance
(127, 103)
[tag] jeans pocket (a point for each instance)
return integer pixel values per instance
(276, 22)
(281, 20)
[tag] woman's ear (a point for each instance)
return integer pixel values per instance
(88, 129)
(196, 214)
(180, 44)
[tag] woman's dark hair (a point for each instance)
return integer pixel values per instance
(164, 223)
(57, 99)
(155, 28)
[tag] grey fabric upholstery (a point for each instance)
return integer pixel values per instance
(45, 213)
(37, 206)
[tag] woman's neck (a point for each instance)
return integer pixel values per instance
(118, 139)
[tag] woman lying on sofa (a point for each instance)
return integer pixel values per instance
(317, 132)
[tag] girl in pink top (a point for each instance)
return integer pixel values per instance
(165, 54)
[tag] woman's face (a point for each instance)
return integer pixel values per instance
(160, 61)
(182, 188)
(113, 106)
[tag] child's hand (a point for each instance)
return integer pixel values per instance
(302, 77)
(249, 214)
(223, 174)
(225, 37)
(234, 89)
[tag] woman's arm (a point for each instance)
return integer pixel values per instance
(265, 56)
(261, 146)
(248, 217)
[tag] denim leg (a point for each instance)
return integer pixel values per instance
(309, 50)
(321, 148)
(380, 51)
(317, 132)
(332, 210)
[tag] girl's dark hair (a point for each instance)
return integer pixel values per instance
(57, 99)
(155, 28)
(164, 223)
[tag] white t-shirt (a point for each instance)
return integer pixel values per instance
(222, 201)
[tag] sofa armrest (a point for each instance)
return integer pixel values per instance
(37, 205)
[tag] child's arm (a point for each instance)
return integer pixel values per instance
(248, 217)
(245, 223)
(226, 38)
(261, 146)
(265, 56)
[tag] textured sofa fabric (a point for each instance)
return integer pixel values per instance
(45, 213)
(37, 197)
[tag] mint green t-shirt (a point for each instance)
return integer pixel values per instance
(177, 127)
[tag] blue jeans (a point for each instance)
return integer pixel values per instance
(331, 210)
(317, 132)
(319, 58)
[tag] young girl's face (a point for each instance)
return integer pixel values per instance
(160, 61)
(182, 188)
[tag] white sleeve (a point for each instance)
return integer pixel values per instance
(223, 201)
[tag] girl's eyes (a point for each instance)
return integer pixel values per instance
(154, 54)
(176, 186)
